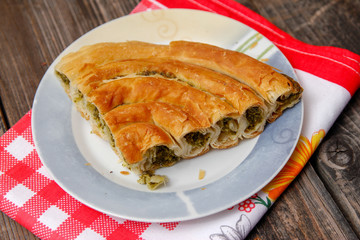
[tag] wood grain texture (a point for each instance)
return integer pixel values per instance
(325, 22)
(337, 162)
(11, 230)
(323, 201)
(21, 60)
(305, 211)
(3, 122)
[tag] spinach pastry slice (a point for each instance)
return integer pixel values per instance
(156, 104)
(143, 147)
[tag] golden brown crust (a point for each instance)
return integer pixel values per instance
(172, 119)
(205, 108)
(262, 78)
(169, 117)
(77, 64)
(237, 94)
(258, 75)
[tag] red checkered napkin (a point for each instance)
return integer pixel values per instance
(28, 194)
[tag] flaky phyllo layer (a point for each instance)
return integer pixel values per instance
(157, 104)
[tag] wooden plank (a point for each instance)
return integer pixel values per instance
(322, 22)
(305, 211)
(11, 230)
(33, 39)
(337, 162)
(20, 62)
(4, 126)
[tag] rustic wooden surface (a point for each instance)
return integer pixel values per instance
(324, 200)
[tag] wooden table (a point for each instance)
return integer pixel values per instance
(322, 203)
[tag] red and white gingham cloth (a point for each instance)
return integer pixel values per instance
(29, 195)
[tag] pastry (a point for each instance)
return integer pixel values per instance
(157, 104)
(238, 95)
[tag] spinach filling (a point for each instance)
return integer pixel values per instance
(100, 122)
(63, 77)
(164, 157)
(162, 73)
(197, 139)
(283, 100)
(286, 101)
(254, 117)
(94, 112)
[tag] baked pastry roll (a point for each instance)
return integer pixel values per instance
(238, 95)
(76, 64)
(144, 146)
(172, 120)
(209, 111)
(278, 90)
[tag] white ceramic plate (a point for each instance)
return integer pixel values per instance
(86, 167)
